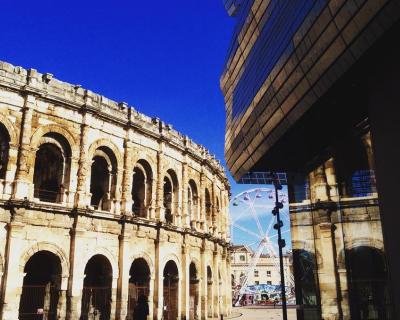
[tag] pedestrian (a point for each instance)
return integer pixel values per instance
(141, 311)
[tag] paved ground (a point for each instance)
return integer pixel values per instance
(258, 313)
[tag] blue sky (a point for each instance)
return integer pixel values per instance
(163, 57)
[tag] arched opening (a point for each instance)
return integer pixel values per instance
(52, 167)
(96, 292)
(141, 188)
(305, 275)
(171, 291)
(103, 179)
(193, 208)
(209, 292)
(208, 210)
(41, 287)
(171, 195)
(139, 285)
(4, 150)
(368, 289)
(193, 292)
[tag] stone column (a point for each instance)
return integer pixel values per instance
(216, 285)
(158, 280)
(202, 202)
(366, 139)
(123, 280)
(327, 274)
(23, 186)
(127, 178)
(73, 180)
(7, 189)
(160, 185)
(75, 281)
(13, 275)
(151, 296)
(82, 192)
(185, 200)
(214, 208)
(318, 185)
(330, 174)
(114, 285)
(344, 291)
(203, 282)
(185, 278)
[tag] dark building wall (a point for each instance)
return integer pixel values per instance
(277, 69)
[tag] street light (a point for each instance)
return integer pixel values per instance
(281, 242)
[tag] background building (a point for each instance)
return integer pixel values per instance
(265, 272)
(311, 89)
(100, 204)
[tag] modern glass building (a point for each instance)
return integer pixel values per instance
(310, 89)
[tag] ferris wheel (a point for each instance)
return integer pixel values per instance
(252, 224)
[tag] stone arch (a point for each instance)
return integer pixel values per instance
(51, 163)
(12, 132)
(174, 258)
(147, 258)
(41, 131)
(102, 251)
(142, 187)
(105, 170)
(106, 143)
(171, 195)
(358, 242)
(197, 264)
(46, 246)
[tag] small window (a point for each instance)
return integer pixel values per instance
(242, 257)
(256, 273)
(268, 273)
(269, 282)
(256, 282)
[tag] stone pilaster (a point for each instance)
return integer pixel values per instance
(75, 281)
(185, 278)
(23, 186)
(123, 280)
(214, 212)
(185, 200)
(127, 178)
(13, 275)
(83, 186)
(327, 274)
(160, 185)
(216, 284)
(203, 219)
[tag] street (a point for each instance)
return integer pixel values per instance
(264, 313)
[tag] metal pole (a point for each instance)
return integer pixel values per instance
(280, 245)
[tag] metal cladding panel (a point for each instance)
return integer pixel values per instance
(284, 56)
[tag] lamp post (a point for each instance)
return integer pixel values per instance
(281, 242)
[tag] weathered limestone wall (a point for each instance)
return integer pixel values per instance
(33, 108)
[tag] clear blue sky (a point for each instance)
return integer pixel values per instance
(164, 57)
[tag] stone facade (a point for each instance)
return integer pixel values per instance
(100, 203)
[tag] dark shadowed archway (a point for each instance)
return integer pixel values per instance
(96, 293)
(193, 292)
(368, 289)
(41, 287)
(139, 284)
(171, 291)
